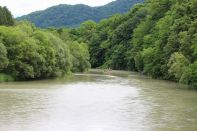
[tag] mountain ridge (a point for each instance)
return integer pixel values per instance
(64, 15)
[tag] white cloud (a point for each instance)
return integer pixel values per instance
(22, 7)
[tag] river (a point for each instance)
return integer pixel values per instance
(121, 101)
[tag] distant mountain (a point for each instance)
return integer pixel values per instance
(73, 15)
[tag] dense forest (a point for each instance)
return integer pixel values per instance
(27, 52)
(157, 38)
(73, 15)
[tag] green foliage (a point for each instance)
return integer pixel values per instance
(74, 15)
(6, 78)
(6, 17)
(157, 38)
(30, 53)
(34, 55)
(86, 30)
(3, 57)
(177, 65)
(190, 75)
(79, 54)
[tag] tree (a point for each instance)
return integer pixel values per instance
(3, 57)
(87, 29)
(6, 17)
(79, 56)
(189, 76)
(35, 54)
(177, 65)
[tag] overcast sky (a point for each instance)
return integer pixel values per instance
(22, 7)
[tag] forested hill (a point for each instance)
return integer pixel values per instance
(73, 15)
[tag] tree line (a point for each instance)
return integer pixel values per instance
(27, 52)
(157, 38)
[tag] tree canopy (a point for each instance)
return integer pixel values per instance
(157, 38)
(27, 52)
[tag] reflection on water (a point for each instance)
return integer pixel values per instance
(96, 102)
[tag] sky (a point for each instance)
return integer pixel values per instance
(23, 7)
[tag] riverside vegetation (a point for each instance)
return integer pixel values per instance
(27, 52)
(157, 38)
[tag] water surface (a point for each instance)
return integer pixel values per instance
(94, 102)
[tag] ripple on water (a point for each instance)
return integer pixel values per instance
(91, 102)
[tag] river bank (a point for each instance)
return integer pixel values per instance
(139, 75)
(9, 78)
